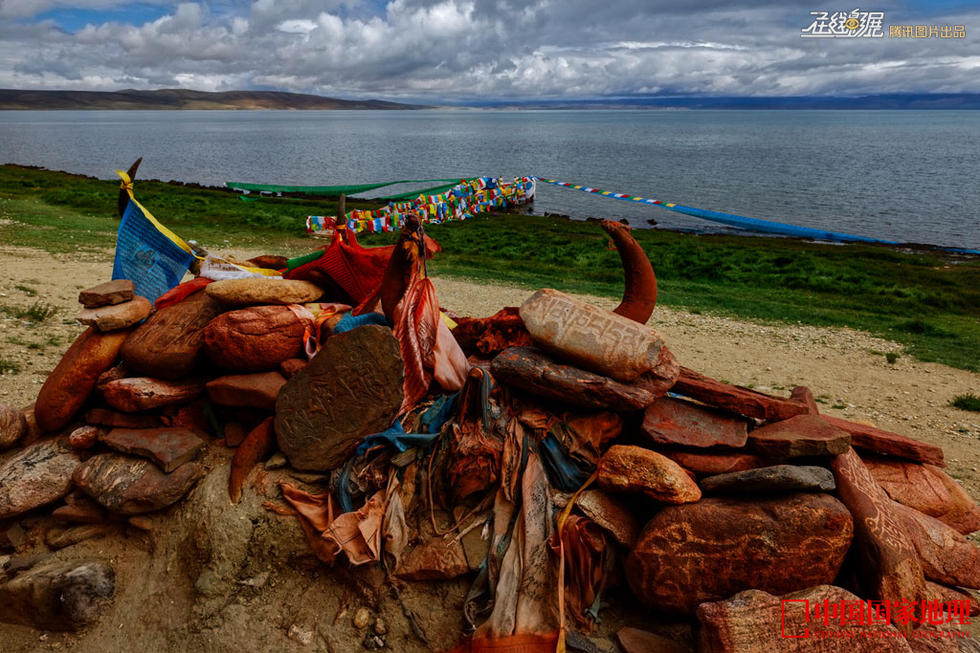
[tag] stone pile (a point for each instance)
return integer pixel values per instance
(719, 502)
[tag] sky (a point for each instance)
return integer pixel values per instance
(482, 50)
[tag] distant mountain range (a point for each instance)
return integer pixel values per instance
(182, 99)
(883, 101)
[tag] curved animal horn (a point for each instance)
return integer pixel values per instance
(123, 195)
(640, 295)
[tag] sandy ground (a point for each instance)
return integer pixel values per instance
(217, 577)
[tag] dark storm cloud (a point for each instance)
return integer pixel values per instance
(467, 49)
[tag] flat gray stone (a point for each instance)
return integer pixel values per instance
(778, 478)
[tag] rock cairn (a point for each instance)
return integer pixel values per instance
(720, 503)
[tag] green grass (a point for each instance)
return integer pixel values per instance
(8, 366)
(926, 300)
(966, 402)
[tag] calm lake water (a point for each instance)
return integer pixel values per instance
(900, 175)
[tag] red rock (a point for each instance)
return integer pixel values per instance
(624, 468)
(289, 367)
(709, 550)
(674, 422)
(943, 594)
(68, 387)
(947, 556)
(114, 373)
(247, 390)
(168, 344)
(532, 370)
(886, 557)
(436, 559)
(491, 335)
(590, 337)
(167, 447)
(190, 416)
(84, 437)
(35, 476)
(803, 435)
(106, 417)
(715, 463)
(258, 444)
(256, 290)
(610, 514)
(80, 514)
(802, 394)
(929, 490)
(758, 622)
(143, 393)
(33, 433)
(131, 486)
(234, 434)
(255, 339)
(736, 399)
(13, 426)
(351, 389)
(108, 293)
(117, 316)
(634, 640)
(876, 440)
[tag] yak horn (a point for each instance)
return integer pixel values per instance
(123, 195)
(640, 295)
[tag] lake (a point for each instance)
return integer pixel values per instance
(898, 175)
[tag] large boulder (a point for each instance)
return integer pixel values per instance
(928, 489)
(590, 337)
(758, 622)
(58, 595)
(736, 399)
(876, 440)
(625, 468)
(778, 478)
(35, 476)
(947, 556)
(259, 290)
(68, 387)
(130, 486)
(256, 339)
(709, 550)
(351, 389)
(168, 344)
(886, 557)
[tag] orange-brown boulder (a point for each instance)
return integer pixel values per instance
(625, 468)
(68, 387)
(168, 344)
(258, 390)
(255, 339)
(709, 550)
(947, 556)
(143, 393)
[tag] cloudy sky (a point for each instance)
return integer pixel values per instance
(466, 50)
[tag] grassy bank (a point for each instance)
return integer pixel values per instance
(928, 301)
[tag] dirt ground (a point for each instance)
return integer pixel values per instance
(217, 577)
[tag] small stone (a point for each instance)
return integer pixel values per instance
(362, 617)
(634, 640)
(167, 447)
(300, 634)
(256, 581)
(674, 422)
(234, 434)
(59, 539)
(130, 486)
(625, 468)
(258, 390)
(277, 461)
(289, 367)
(380, 627)
(108, 293)
(116, 316)
(141, 522)
(82, 511)
(84, 437)
(435, 559)
(143, 393)
(736, 399)
(610, 514)
(13, 426)
(35, 476)
(257, 290)
(803, 435)
(778, 478)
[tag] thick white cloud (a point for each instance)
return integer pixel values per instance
(444, 50)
